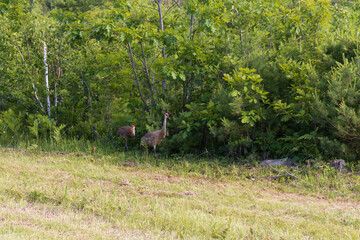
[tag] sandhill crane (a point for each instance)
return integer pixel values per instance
(126, 132)
(154, 138)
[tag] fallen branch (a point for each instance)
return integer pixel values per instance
(206, 152)
(93, 129)
(290, 175)
(272, 177)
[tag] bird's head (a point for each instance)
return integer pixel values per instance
(167, 115)
(133, 129)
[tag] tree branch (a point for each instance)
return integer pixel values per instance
(133, 52)
(33, 85)
(173, 5)
(93, 129)
(136, 77)
(290, 175)
(147, 73)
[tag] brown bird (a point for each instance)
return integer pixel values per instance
(154, 138)
(126, 132)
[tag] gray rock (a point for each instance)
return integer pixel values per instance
(288, 162)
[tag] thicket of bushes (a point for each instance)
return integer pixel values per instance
(239, 78)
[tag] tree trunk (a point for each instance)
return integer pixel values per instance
(161, 19)
(108, 105)
(136, 77)
(58, 79)
(191, 26)
(47, 80)
(88, 105)
(147, 74)
(186, 92)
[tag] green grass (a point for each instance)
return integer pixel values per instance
(83, 196)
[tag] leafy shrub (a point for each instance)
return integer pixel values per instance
(339, 106)
(11, 125)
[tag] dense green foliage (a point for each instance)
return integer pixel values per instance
(239, 78)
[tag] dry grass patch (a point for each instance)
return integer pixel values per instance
(44, 197)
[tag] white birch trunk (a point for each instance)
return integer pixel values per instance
(47, 80)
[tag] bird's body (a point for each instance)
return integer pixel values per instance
(154, 138)
(126, 132)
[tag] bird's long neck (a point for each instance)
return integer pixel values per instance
(164, 126)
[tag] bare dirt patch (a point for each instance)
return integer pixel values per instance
(301, 198)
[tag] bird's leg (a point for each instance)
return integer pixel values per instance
(146, 152)
(155, 151)
(126, 147)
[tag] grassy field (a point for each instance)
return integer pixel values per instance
(77, 196)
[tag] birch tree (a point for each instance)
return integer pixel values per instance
(47, 80)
